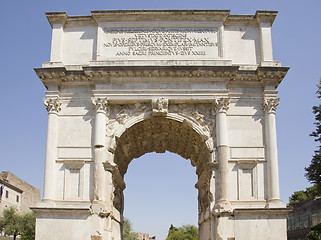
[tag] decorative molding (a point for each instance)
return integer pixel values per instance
(270, 104)
(160, 106)
(98, 74)
(101, 104)
(263, 211)
(53, 105)
(221, 105)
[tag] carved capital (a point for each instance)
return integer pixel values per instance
(221, 105)
(53, 105)
(270, 104)
(101, 104)
(160, 106)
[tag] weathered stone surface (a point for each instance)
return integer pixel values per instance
(199, 83)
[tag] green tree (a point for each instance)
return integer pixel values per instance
(10, 222)
(315, 233)
(28, 225)
(297, 197)
(302, 195)
(14, 224)
(128, 233)
(313, 172)
(187, 232)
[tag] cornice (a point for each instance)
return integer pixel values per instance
(57, 17)
(104, 74)
(162, 15)
(266, 16)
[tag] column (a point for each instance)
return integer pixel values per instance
(221, 107)
(269, 107)
(53, 107)
(100, 142)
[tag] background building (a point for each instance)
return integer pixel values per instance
(16, 192)
(305, 215)
(145, 236)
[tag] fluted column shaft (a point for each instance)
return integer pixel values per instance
(221, 107)
(100, 142)
(53, 107)
(269, 106)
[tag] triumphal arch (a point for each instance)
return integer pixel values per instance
(199, 83)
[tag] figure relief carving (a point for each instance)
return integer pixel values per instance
(160, 106)
(221, 104)
(201, 114)
(112, 124)
(101, 104)
(119, 114)
(122, 116)
(270, 104)
(52, 105)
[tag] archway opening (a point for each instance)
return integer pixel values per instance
(159, 192)
(161, 134)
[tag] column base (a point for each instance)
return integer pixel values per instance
(47, 201)
(275, 203)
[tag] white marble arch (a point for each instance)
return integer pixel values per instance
(214, 104)
(173, 132)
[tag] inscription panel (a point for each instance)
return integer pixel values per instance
(160, 43)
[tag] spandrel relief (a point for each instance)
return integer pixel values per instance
(201, 114)
(120, 113)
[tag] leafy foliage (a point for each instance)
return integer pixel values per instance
(128, 233)
(302, 195)
(313, 172)
(28, 225)
(315, 233)
(187, 232)
(14, 224)
(10, 222)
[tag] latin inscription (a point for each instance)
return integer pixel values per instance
(157, 43)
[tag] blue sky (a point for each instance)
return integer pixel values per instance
(25, 43)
